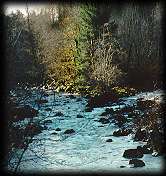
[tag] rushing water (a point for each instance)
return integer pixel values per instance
(84, 150)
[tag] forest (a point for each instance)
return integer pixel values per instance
(82, 72)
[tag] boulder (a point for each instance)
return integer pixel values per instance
(102, 99)
(122, 132)
(132, 153)
(104, 120)
(140, 135)
(107, 112)
(57, 129)
(145, 149)
(69, 131)
(120, 119)
(109, 140)
(137, 163)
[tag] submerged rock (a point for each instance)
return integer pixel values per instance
(133, 153)
(69, 131)
(79, 116)
(137, 163)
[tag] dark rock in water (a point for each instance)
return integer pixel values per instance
(133, 153)
(42, 101)
(120, 120)
(69, 131)
(140, 135)
(88, 109)
(59, 114)
(54, 133)
(79, 116)
(137, 162)
(21, 112)
(107, 112)
(122, 166)
(48, 109)
(104, 120)
(122, 132)
(47, 121)
(100, 126)
(57, 129)
(102, 100)
(145, 149)
(109, 140)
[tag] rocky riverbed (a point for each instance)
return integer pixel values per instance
(68, 137)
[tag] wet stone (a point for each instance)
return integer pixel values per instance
(109, 140)
(57, 129)
(137, 163)
(69, 131)
(145, 149)
(79, 116)
(122, 132)
(132, 153)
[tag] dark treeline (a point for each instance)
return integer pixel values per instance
(84, 47)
